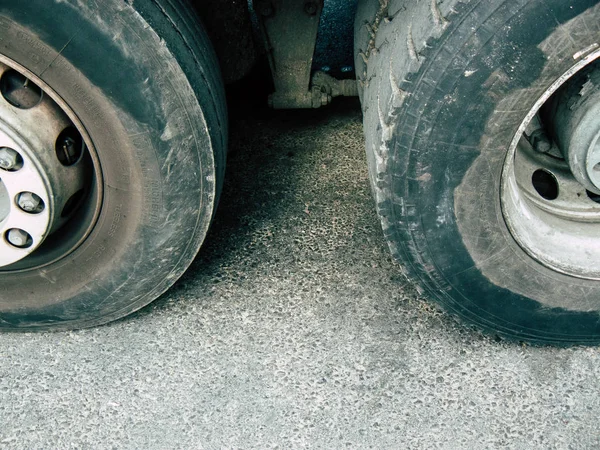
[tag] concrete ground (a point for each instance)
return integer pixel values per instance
(294, 329)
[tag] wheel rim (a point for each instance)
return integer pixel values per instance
(50, 187)
(550, 182)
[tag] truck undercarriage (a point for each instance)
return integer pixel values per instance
(481, 127)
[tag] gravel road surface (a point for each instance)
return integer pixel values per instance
(294, 329)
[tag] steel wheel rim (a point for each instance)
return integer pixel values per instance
(75, 221)
(558, 226)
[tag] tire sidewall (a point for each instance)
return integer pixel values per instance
(450, 140)
(152, 142)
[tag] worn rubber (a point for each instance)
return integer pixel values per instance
(143, 80)
(445, 85)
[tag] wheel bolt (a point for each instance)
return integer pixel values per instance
(29, 202)
(9, 159)
(69, 146)
(19, 238)
(540, 141)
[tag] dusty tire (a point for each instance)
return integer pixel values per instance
(141, 82)
(445, 87)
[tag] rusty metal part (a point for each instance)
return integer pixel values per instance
(323, 88)
(289, 29)
(334, 87)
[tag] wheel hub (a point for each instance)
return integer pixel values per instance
(42, 168)
(551, 177)
(572, 116)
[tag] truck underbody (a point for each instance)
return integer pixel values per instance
(481, 128)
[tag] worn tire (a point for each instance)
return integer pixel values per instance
(144, 83)
(445, 85)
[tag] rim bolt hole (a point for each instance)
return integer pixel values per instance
(19, 238)
(10, 160)
(545, 184)
(30, 202)
(593, 196)
(19, 91)
(597, 167)
(69, 146)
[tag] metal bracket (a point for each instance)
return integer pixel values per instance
(289, 29)
(333, 87)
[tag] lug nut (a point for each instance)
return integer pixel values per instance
(19, 238)
(9, 159)
(540, 141)
(29, 202)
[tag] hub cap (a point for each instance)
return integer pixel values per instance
(42, 166)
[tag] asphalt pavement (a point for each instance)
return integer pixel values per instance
(294, 329)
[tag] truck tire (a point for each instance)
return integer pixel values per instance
(497, 225)
(112, 151)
